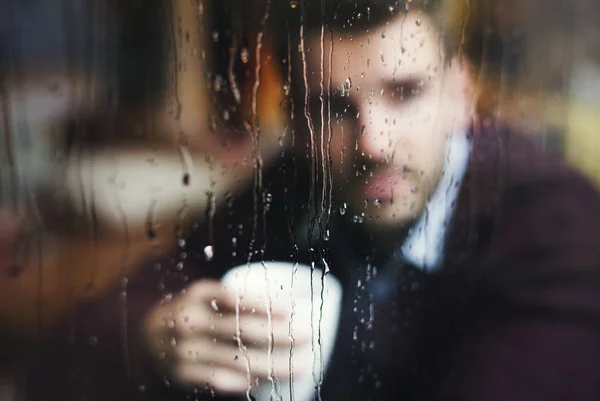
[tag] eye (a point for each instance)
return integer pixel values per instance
(404, 91)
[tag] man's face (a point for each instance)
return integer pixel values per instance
(394, 102)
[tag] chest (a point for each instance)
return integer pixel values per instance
(396, 330)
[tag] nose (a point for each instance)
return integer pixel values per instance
(377, 132)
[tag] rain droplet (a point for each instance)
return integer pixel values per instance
(213, 304)
(215, 36)
(209, 253)
(218, 83)
(245, 55)
(343, 209)
(418, 22)
(383, 34)
(293, 3)
(347, 86)
(186, 179)
(414, 189)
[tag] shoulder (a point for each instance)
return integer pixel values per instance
(524, 205)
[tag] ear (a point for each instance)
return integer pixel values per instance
(463, 75)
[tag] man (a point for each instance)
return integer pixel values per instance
(469, 257)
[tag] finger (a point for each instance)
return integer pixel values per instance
(200, 321)
(212, 292)
(193, 319)
(223, 380)
(227, 299)
(229, 356)
(265, 304)
(172, 318)
(196, 320)
(257, 330)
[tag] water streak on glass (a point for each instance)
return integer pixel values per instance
(274, 392)
(230, 71)
(318, 354)
(329, 129)
(321, 356)
(307, 114)
(322, 134)
(291, 332)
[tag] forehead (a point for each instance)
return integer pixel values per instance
(396, 50)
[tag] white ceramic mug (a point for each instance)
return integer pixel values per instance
(315, 302)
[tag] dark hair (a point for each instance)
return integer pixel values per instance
(530, 44)
(352, 15)
(363, 15)
(466, 27)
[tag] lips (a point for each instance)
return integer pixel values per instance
(384, 185)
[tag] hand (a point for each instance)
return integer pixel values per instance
(196, 338)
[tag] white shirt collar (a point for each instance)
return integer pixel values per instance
(424, 246)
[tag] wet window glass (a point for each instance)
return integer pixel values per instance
(299, 200)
